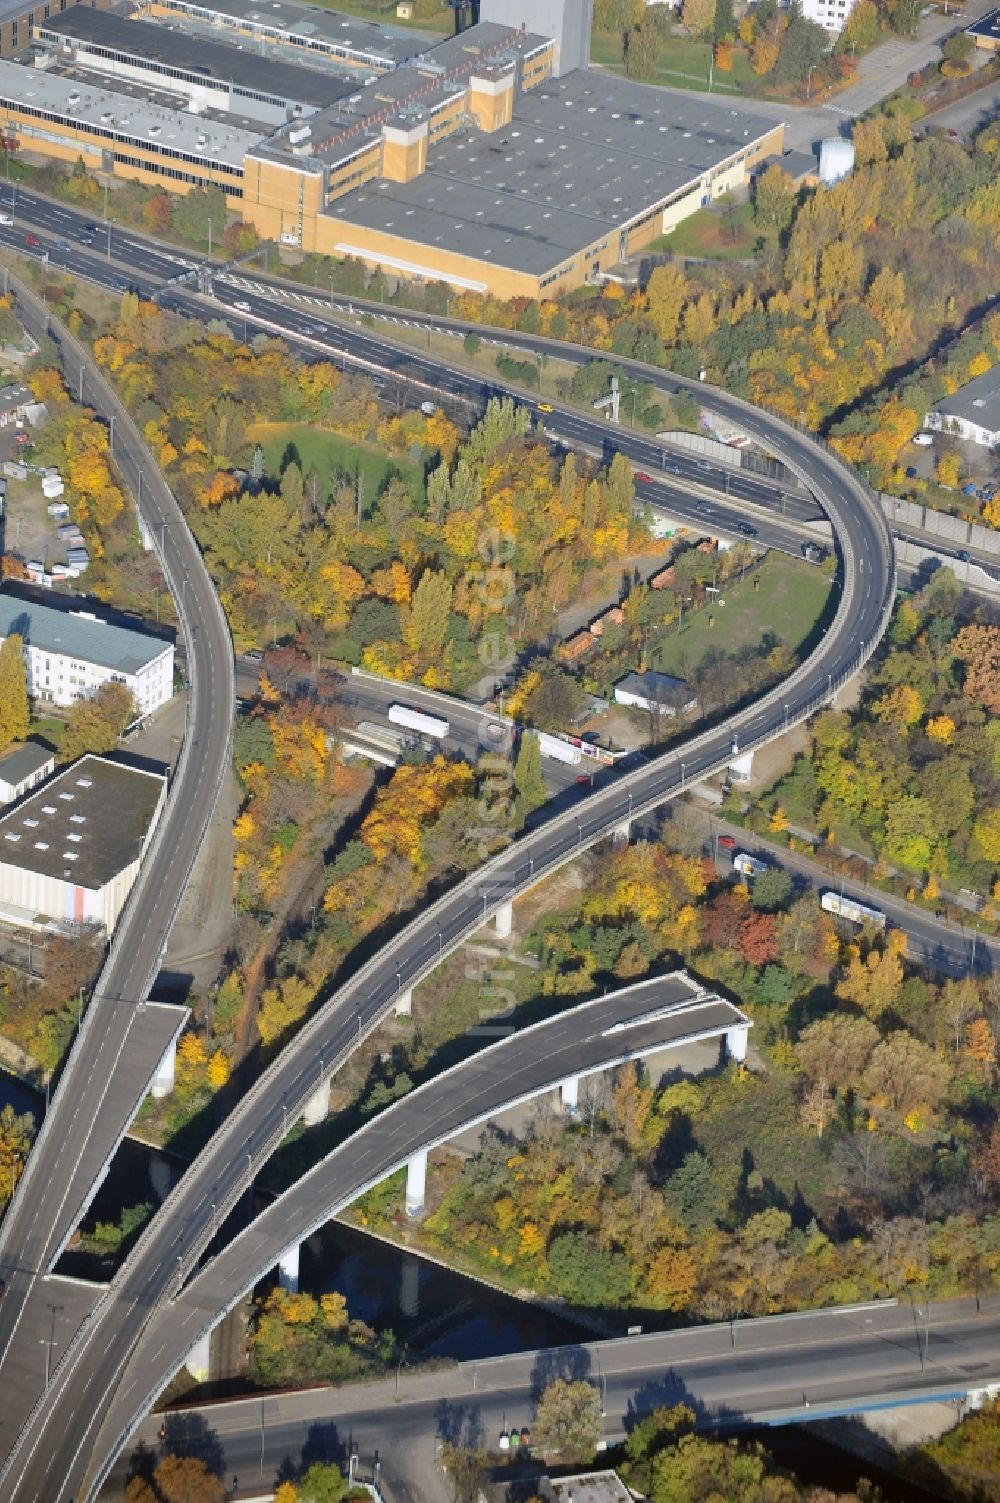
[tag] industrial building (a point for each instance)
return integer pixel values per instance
(494, 160)
(70, 853)
(972, 412)
(657, 693)
(70, 654)
(18, 17)
(986, 32)
(22, 767)
(830, 14)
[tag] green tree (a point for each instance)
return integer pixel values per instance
(467, 1467)
(568, 1422)
(195, 211)
(472, 343)
(642, 49)
(771, 890)
(774, 200)
(14, 714)
(693, 1195)
(528, 778)
(96, 721)
(724, 24)
(803, 47)
(584, 1274)
(426, 623)
(322, 1483)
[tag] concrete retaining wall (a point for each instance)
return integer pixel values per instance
(970, 574)
(965, 534)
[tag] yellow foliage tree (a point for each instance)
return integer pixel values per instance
(941, 728)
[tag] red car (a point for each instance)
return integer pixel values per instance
(30, 239)
(728, 842)
(585, 778)
(641, 475)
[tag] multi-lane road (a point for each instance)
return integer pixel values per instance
(97, 1097)
(56, 1441)
(761, 1371)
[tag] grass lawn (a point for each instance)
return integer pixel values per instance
(724, 232)
(683, 63)
(322, 451)
(788, 604)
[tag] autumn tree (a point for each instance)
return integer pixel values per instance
(96, 721)
(568, 1422)
(14, 711)
(978, 647)
(834, 1051)
(873, 983)
(905, 1075)
(187, 1479)
(699, 17)
(16, 1133)
(774, 200)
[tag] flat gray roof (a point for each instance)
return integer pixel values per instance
(650, 684)
(124, 117)
(151, 44)
(21, 761)
(82, 637)
(308, 23)
(85, 825)
(583, 156)
(978, 402)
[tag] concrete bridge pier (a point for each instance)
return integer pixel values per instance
(198, 1361)
(736, 1044)
(505, 921)
(404, 1004)
(741, 767)
(623, 832)
(288, 1269)
(317, 1108)
(569, 1093)
(416, 1183)
(163, 1080)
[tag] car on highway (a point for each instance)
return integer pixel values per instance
(119, 284)
(31, 239)
(585, 779)
(674, 469)
(747, 528)
(703, 509)
(243, 306)
(545, 407)
(703, 464)
(92, 229)
(6, 219)
(252, 655)
(963, 555)
(84, 238)
(728, 842)
(643, 477)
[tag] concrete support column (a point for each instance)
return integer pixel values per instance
(741, 767)
(623, 832)
(199, 1359)
(569, 1093)
(736, 1044)
(404, 1004)
(317, 1108)
(288, 1269)
(416, 1183)
(163, 1080)
(505, 921)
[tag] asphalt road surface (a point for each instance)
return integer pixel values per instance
(798, 1367)
(97, 1094)
(56, 1441)
(627, 1024)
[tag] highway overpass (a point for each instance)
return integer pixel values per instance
(768, 1371)
(164, 1259)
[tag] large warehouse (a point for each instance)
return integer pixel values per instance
(69, 654)
(70, 853)
(494, 160)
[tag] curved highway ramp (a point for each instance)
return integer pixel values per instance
(637, 1021)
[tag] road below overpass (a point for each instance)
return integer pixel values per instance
(107, 1073)
(762, 1371)
(632, 1023)
(169, 1251)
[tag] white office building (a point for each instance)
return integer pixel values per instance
(830, 14)
(70, 654)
